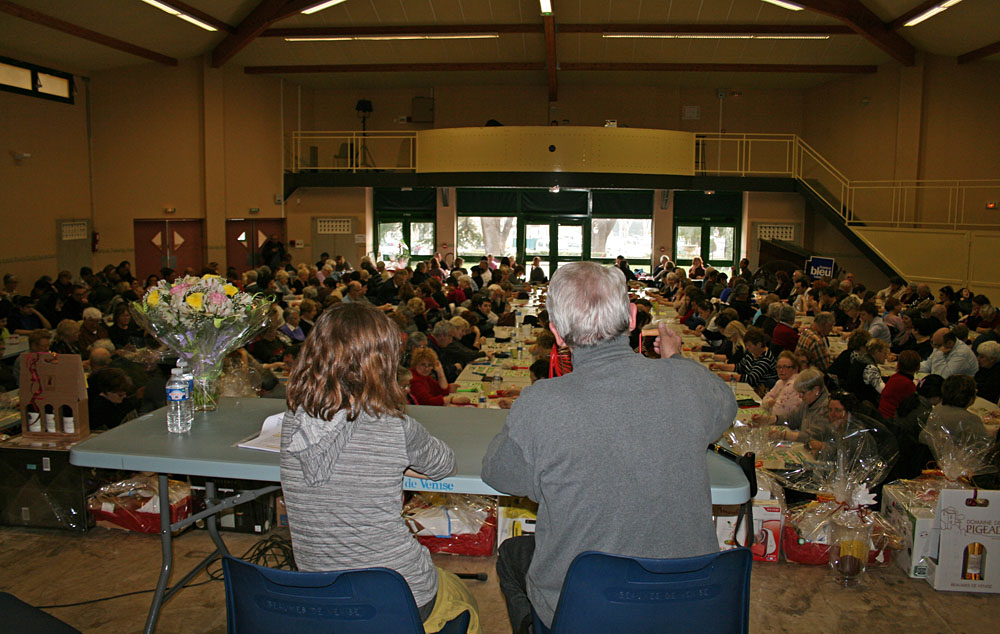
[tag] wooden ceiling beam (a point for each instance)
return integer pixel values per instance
(551, 64)
(565, 66)
(262, 16)
(410, 29)
(755, 29)
(69, 28)
(979, 53)
(393, 68)
(719, 68)
(407, 29)
(912, 13)
(866, 24)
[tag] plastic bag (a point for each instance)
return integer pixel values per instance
(134, 504)
(960, 446)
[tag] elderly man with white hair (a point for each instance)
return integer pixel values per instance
(92, 328)
(584, 442)
(988, 376)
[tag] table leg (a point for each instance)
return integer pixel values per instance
(210, 521)
(166, 547)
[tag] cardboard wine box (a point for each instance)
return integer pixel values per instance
(968, 555)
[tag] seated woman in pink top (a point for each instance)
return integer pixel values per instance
(783, 398)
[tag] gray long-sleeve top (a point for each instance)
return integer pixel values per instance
(343, 484)
(614, 453)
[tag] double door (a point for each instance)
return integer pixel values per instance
(554, 242)
(174, 244)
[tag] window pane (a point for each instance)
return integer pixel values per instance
(571, 240)
(688, 243)
(390, 241)
(631, 237)
(721, 244)
(536, 240)
(479, 235)
(422, 238)
(51, 85)
(15, 76)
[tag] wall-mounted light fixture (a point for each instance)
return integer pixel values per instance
(19, 156)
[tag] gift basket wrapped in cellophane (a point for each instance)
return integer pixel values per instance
(962, 452)
(840, 463)
(453, 523)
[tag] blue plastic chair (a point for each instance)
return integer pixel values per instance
(610, 593)
(365, 601)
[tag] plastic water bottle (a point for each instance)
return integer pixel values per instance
(180, 410)
(187, 374)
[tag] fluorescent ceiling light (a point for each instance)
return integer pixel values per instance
(379, 38)
(162, 7)
(710, 36)
(172, 11)
(321, 6)
(545, 6)
(791, 6)
(197, 22)
(930, 13)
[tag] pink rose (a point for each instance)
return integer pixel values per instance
(179, 289)
(216, 298)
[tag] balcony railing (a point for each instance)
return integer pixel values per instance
(931, 204)
(352, 151)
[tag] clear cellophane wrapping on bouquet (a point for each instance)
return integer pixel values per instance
(961, 448)
(453, 523)
(239, 378)
(134, 504)
(840, 465)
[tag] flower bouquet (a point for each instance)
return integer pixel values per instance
(202, 320)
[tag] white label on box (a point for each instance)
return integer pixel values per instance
(107, 507)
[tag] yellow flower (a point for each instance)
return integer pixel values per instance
(194, 300)
(208, 276)
(153, 298)
(230, 290)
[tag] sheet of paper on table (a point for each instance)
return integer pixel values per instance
(269, 438)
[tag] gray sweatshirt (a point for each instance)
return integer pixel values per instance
(614, 454)
(343, 484)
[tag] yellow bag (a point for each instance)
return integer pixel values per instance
(453, 598)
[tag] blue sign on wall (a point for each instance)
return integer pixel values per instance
(819, 267)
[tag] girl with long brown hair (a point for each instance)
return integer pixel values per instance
(345, 445)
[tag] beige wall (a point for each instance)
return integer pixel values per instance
(53, 183)
(771, 208)
(208, 142)
(324, 202)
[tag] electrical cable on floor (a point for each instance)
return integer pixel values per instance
(272, 552)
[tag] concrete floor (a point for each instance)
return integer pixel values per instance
(50, 567)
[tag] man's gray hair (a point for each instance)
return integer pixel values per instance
(807, 380)
(92, 313)
(588, 303)
(103, 343)
(824, 319)
(786, 314)
(989, 349)
(443, 328)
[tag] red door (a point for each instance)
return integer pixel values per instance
(244, 238)
(175, 244)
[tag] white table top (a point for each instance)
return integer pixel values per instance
(210, 450)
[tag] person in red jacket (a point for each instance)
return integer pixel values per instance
(427, 388)
(900, 385)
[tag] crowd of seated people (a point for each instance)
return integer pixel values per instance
(779, 341)
(449, 310)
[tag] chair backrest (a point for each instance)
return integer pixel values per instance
(611, 593)
(268, 600)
